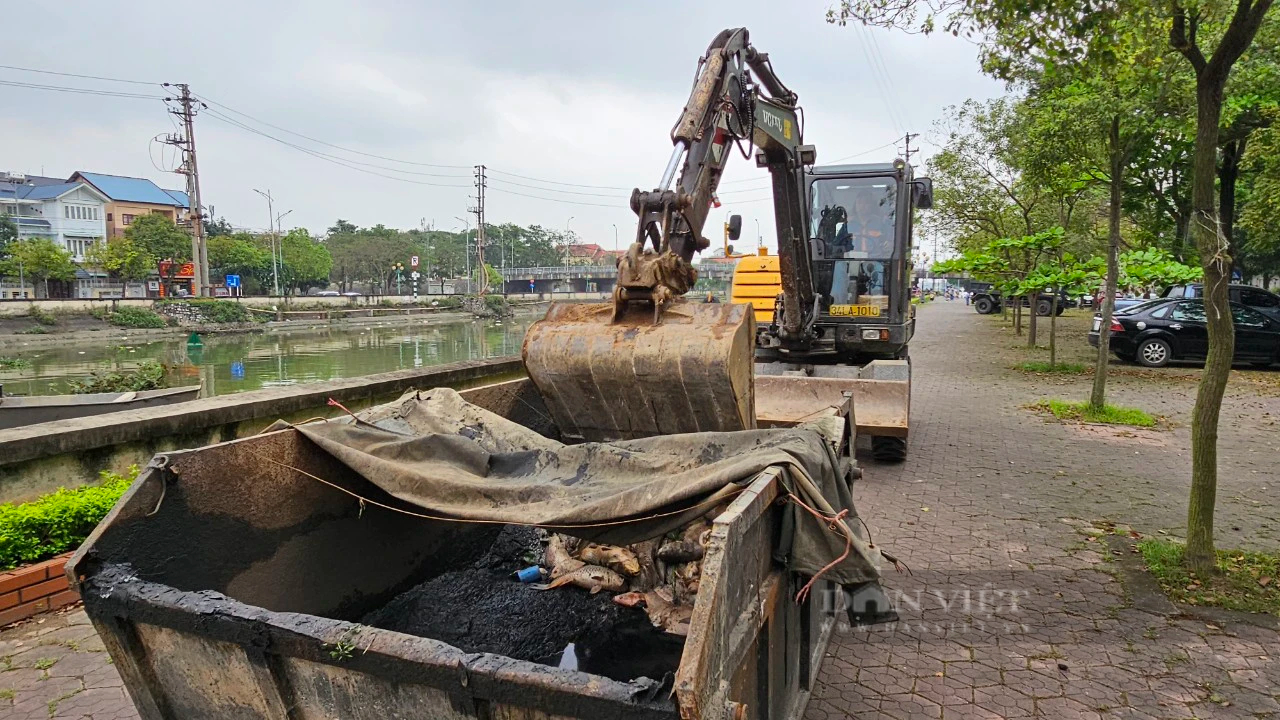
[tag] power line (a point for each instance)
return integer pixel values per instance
(559, 200)
(81, 91)
(555, 190)
(209, 100)
(865, 46)
(323, 156)
(75, 75)
(557, 182)
(867, 152)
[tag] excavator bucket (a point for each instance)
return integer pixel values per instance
(605, 381)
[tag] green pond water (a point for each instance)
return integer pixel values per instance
(235, 363)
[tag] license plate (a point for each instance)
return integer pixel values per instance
(1096, 324)
(855, 311)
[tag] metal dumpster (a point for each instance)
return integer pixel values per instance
(229, 582)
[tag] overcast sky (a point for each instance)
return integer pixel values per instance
(572, 92)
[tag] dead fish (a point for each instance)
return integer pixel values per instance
(630, 599)
(559, 559)
(680, 552)
(618, 558)
(588, 577)
(663, 613)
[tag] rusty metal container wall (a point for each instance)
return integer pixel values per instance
(607, 381)
(228, 581)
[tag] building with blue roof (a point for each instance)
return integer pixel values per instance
(129, 198)
(71, 214)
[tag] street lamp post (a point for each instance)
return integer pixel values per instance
(615, 237)
(466, 248)
(277, 256)
(566, 224)
(759, 235)
(271, 216)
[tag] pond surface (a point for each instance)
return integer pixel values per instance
(235, 363)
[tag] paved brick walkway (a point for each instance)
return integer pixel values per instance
(1010, 610)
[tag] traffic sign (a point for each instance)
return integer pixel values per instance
(233, 281)
(415, 275)
(413, 261)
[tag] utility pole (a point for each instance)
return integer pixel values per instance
(481, 184)
(189, 168)
(907, 139)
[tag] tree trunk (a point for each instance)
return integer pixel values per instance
(1017, 315)
(1232, 152)
(1053, 329)
(1212, 245)
(1099, 395)
(1034, 301)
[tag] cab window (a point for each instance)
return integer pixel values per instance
(1188, 312)
(1160, 312)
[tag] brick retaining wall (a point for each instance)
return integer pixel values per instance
(34, 589)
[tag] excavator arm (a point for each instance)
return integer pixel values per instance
(608, 372)
(736, 98)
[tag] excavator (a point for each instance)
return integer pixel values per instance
(826, 320)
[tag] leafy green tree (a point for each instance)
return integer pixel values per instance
(8, 234)
(1260, 213)
(1240, 22)
(1211, 35)
(304, 262)
(159, 238)
(1154, 269)
(121, 258)
(241, 254)
(217, 228)
(41, 260)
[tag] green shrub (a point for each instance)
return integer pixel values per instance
(496, 303)
(8, 363)
(43, 317)
(135, 317)
(147, 376)
(35, 330)
(212, 310)
(58, 522)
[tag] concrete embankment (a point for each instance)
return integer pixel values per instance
(37, 459)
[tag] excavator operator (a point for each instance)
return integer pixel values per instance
(868, 232)
(864, 239)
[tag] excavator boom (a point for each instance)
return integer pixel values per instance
(653, 362)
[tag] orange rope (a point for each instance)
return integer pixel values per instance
(832, 522)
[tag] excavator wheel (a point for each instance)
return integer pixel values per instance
(888, 449)
(605, 381)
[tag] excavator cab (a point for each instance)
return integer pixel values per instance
(860, 226)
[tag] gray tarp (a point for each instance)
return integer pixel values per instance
(441, 453)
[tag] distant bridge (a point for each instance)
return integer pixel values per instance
(585, 278)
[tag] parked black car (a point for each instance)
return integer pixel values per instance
(1264, 301)
(987, 301)
(1158, 331)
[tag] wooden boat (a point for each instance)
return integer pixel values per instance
(17, 411)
